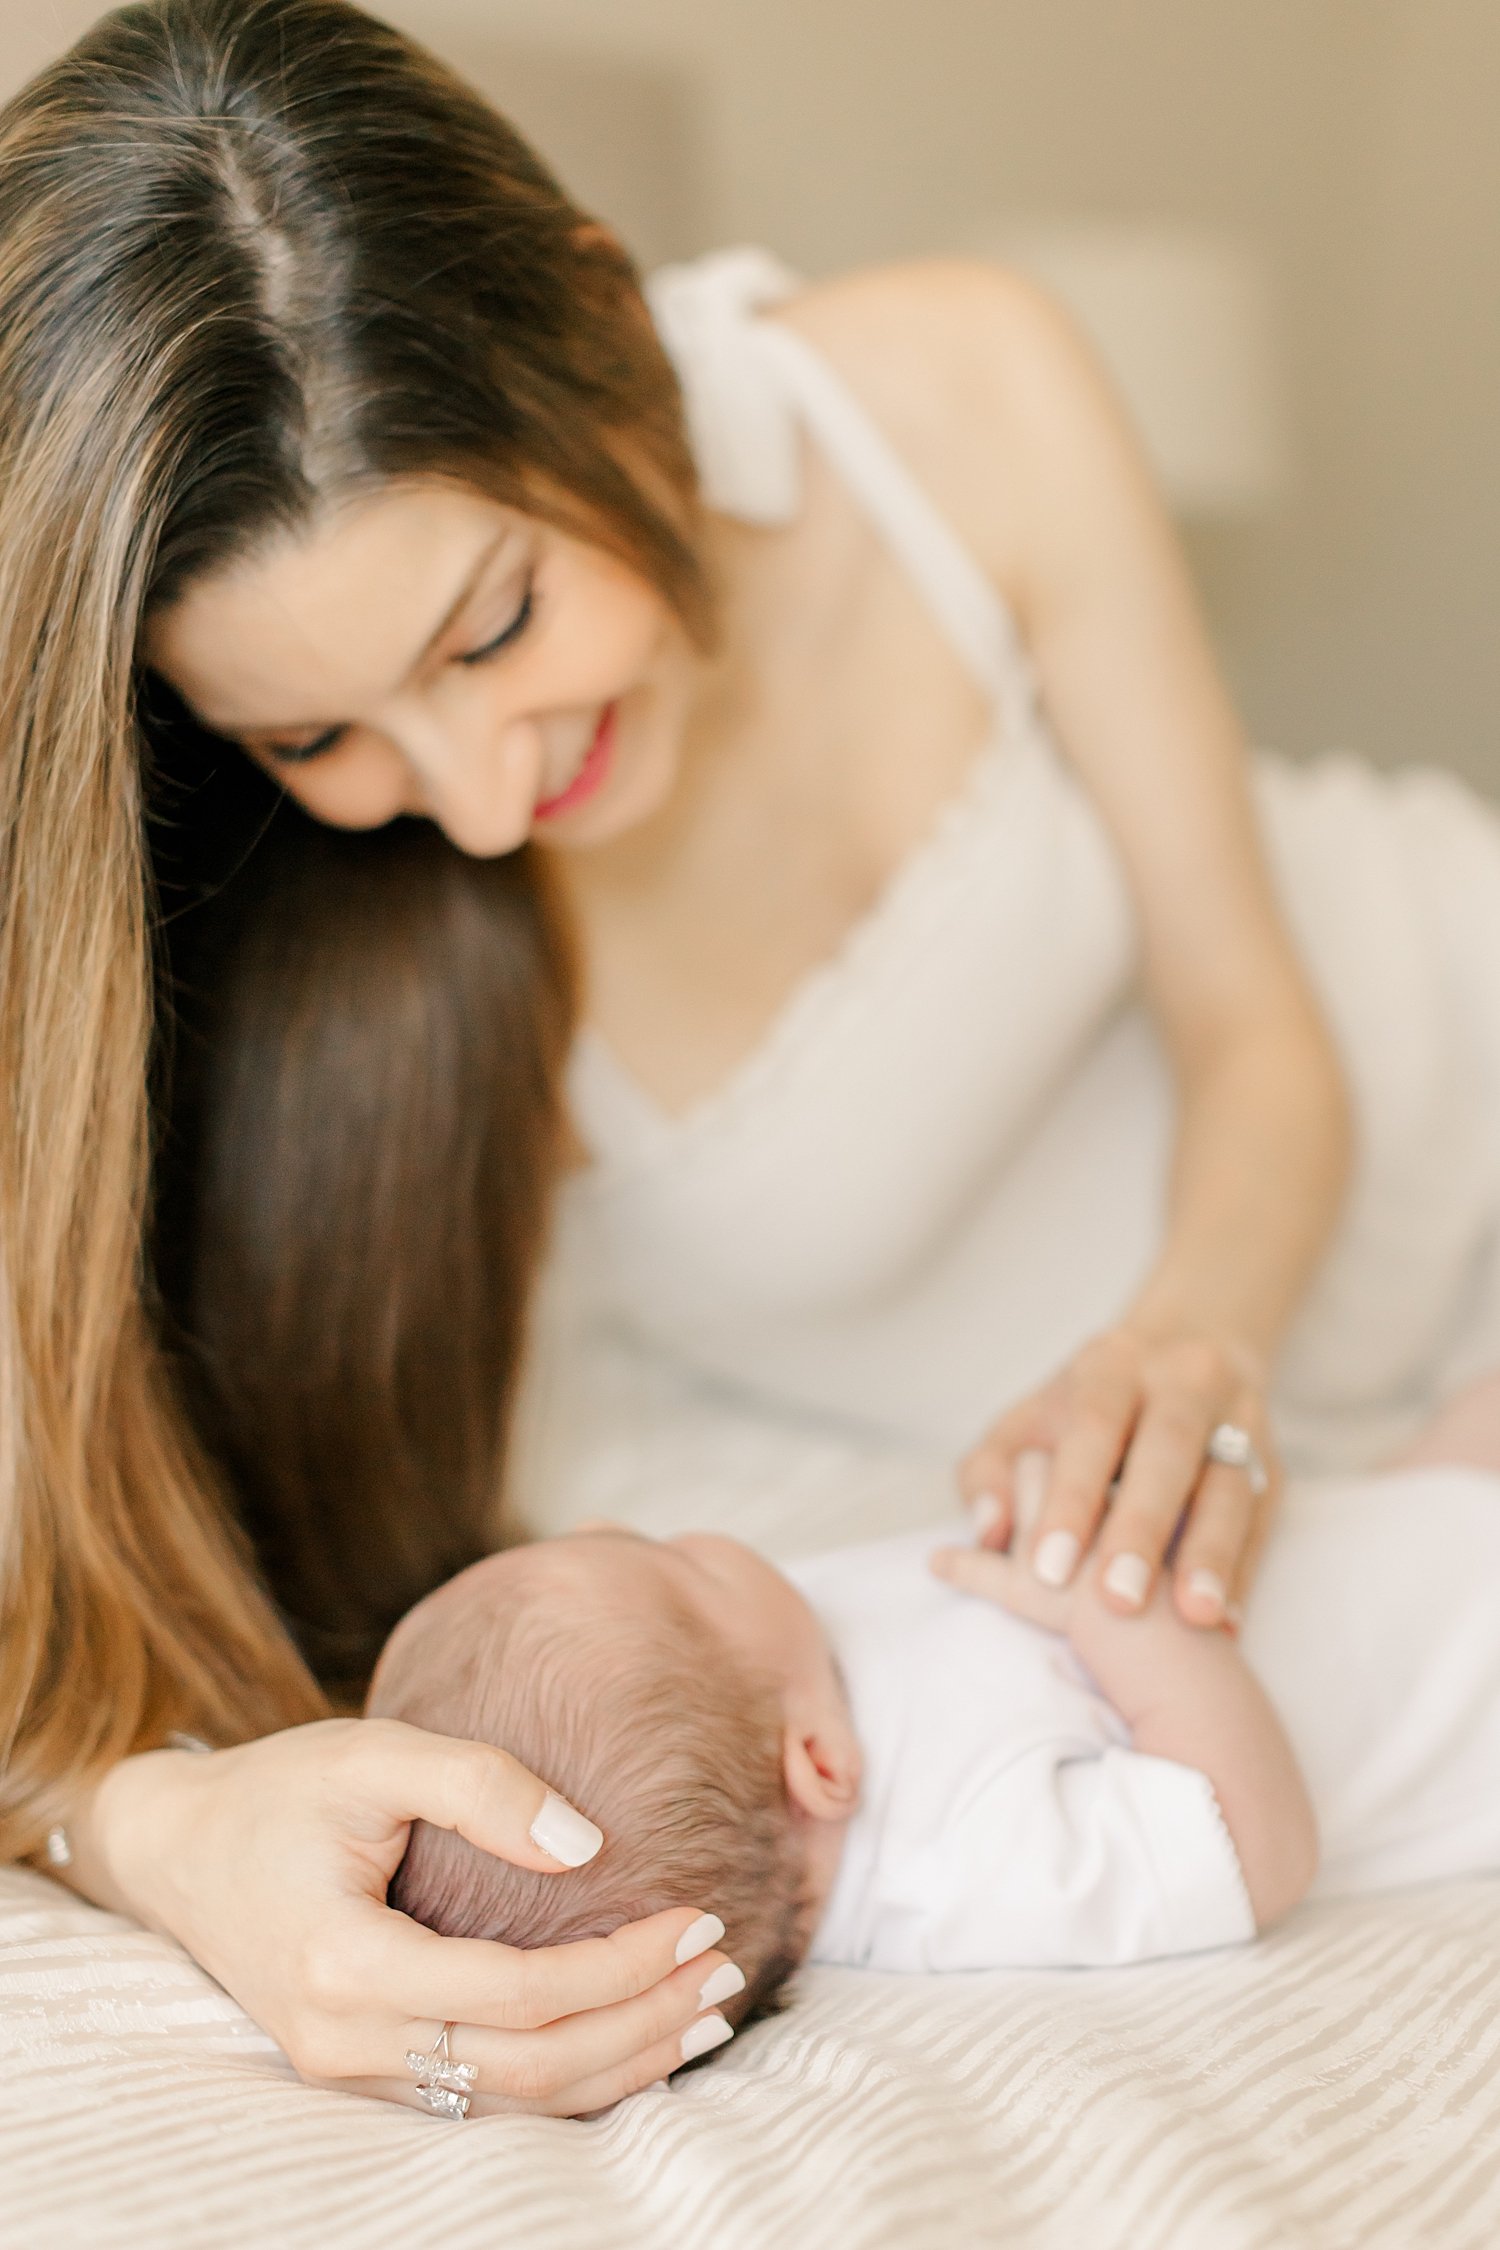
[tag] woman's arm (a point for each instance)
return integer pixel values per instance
(1036, 464)
(1131, 684)
(1187, 1696)
(270, 1862)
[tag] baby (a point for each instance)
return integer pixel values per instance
(858, 1761)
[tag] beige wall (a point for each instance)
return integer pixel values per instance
(1354, 139)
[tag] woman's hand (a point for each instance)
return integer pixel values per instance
(270, 1863)
(1140, 1408)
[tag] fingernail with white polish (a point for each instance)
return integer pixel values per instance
(987, 1510)
(725, 1982)
(1128, 1576)
(699, 1936)
(1206, 1586)
(563, 1833)
(1056, 1558)
(702, 2037)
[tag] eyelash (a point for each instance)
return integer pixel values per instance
(308, 751)
(512, 631)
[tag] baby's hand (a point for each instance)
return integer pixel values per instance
(1007, 1577)
(1009, 1582)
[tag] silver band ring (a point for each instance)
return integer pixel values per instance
(1234, 1448)
(443, 2085)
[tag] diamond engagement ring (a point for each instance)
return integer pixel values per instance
(443, 2085)
(1234, 1448)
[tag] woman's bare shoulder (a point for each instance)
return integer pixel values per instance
(926, 310)
(976, 374)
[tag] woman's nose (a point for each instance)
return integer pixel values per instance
(480, 793)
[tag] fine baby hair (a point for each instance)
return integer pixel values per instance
(637, 1713)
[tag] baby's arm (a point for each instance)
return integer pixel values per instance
(1186, 1695)
(1190, 1696)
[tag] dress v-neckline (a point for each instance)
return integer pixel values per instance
(601, 1084)
(738, 370)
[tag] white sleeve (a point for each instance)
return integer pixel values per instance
(1067, 1861)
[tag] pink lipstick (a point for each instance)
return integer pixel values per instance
(590, 776)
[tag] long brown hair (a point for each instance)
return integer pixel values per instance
(280, 1106)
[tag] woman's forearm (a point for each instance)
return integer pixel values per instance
(1262, 1157)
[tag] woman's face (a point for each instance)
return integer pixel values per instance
(427, 650)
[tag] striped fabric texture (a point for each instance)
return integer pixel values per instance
(1335, 2087)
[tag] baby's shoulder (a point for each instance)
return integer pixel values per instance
(886, 1576)
(905, 1640)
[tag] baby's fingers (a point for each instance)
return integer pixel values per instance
(1004, 1580)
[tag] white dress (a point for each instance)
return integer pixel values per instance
(945, 1163)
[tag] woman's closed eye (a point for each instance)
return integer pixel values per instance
(509, 633)
(302, 753)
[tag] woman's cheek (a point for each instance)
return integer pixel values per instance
(607, 626)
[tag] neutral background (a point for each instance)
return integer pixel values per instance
(1354, 141)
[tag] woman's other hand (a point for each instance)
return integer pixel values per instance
(1127, 1425)
(269, 1863)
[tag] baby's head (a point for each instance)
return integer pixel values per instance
(682, 1694)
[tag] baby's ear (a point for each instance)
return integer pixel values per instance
(820, 1758)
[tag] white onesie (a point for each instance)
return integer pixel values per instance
(1006, 1822)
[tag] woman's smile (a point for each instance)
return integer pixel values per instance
(590, 776)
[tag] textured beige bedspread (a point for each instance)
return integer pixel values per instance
(1336, 2085)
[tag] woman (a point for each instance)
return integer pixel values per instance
(372, 655)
